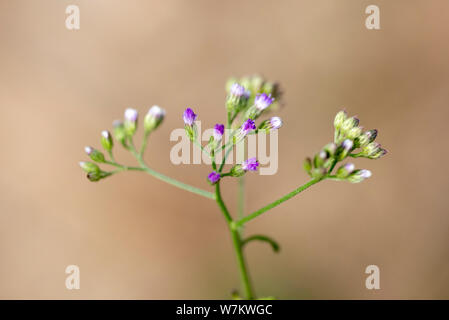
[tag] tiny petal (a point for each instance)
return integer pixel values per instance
(347, 144)
(250, 165)
(131, 115)
(88, 150)
(213, 177)
(189, 117)
(156, 112)
(247, 126)
(365, 173)
(263, 101)
(349, 167)
(218, 132)
(275, 123)
(237, 90)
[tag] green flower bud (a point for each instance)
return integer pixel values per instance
(345, 170)
(106, 140)
(359, 175)
(340, 119)
(366, 138)
(344, 149)
(94, 154)
(307, 165)
(320, 159)
(237, 171)
(318, 173)
(119, 131)
(89, 166)
(371, 149)
(348, 124)
(153, 118)
(95, 176)
(130, 122)
(354, 133)
(330, 148)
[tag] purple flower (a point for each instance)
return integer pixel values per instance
(189, 117)
(275, 123)
(237, 90)
(213, 177)
(218, 132)
(247, 126)
(250, 165)
(263, 101)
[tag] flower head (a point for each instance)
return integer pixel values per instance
(275, 123)
(247, 126)
(189, 117)
(359, 175)
(106, 140)
(213, 177)
(263, 101)
(250, 165)
(218, 132)
(237, 90)
(131, 115)
(130, 121)
(347, 145)
(153, 118)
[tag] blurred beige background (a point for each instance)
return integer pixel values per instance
(137, 238)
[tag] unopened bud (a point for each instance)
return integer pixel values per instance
(359, 175)
(344, 149)
(339, 119)
(95, 176)
(153, 118)
(237, 171)
(345, 170)
(354, 133)
(106, 140)
(119, 131)
(94, 154)
(130, 122)
(307, 165)
(367, 137)
(89, 166)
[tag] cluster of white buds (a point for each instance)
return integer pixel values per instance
(348, 137)
(123, 132)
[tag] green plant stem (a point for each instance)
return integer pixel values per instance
(241, 197)
(237, 242)
(278, 202)
(144, 143)
(160, 176)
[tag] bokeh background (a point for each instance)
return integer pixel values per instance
(134, 237)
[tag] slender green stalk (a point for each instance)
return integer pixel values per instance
(144, 143)
(160, 176)
(221, 204)
(277, 202)
(244, 276)
(241, 197)
(237, 242)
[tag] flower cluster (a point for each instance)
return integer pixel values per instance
(123, 132)
(348, 137)
(247, 100)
